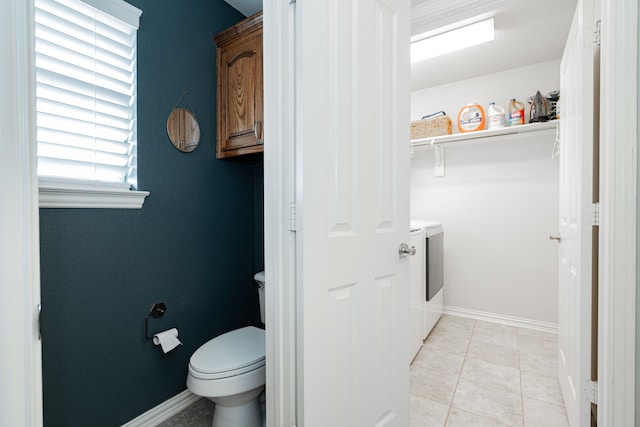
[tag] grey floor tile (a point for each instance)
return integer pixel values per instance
(512, 330)
(543, 414)
(459, 418)
(433, 385)
(461, 322)
(496, 404)
(541, 387)
(427, 413)
(493, 353)
(200, 414)
(523, 332)
(541, 362)
(453, 327)
(491, 375)
(439, 360)
(537, 345)
(499, 337)
(444, 341)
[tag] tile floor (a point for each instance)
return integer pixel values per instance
(199, 414)
(474, 373)
(469, 373)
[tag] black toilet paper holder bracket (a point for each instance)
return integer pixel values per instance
(157, 310)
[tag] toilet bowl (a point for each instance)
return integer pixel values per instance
(230, 371)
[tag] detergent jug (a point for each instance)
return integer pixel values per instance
(496, 116)
(516, 113)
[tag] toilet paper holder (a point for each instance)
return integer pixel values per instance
(157, 310)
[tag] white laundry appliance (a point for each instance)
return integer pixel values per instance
(426, 281)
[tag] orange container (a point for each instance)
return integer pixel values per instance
(471, 118)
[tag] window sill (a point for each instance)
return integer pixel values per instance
(64, 194)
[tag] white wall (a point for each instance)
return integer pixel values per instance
(519, 83)
(498, 203)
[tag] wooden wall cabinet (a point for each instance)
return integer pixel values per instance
(240, 90)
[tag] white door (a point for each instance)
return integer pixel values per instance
(352, 101)
(576, 223)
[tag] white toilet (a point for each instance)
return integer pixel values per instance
(230, 371)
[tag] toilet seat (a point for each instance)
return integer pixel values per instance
(230, 354)
(226, 374)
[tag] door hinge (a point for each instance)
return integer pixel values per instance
(590, 391)
(592, 37)
(292, 217)
(592, 214)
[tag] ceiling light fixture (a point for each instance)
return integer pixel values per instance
(424, 46)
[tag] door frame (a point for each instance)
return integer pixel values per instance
(618, 216)
(279, 216)
(21, 368)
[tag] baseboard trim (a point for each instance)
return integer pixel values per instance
(164, 411)
(518, 322)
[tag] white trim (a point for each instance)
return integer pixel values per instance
(21, 366)
(279, 191)
(518, 322)
(618, 175)
(165, 410)
(118, 9)
(66, 194)
(447, 14)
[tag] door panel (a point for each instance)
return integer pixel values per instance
(342, 141)
(576, 179)
(352, 73)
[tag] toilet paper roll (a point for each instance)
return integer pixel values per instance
(168, 340)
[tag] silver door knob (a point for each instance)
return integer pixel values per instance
(557, 237)
(405, 250)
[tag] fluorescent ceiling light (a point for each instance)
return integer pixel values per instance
(450, 41)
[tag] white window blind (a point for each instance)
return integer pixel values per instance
(86, 91)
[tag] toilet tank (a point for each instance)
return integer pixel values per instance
(259, 278)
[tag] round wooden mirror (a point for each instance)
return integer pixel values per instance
(183, 130)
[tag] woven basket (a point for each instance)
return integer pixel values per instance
(435, 126)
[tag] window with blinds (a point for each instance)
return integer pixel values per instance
(86, 90)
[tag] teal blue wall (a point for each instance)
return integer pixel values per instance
(195, 244)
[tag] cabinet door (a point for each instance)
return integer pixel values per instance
(240, 121)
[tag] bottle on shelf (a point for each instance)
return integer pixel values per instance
(496, 116)
(516, 113)
(471, 118)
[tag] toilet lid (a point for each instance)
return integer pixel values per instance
(230, 351)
